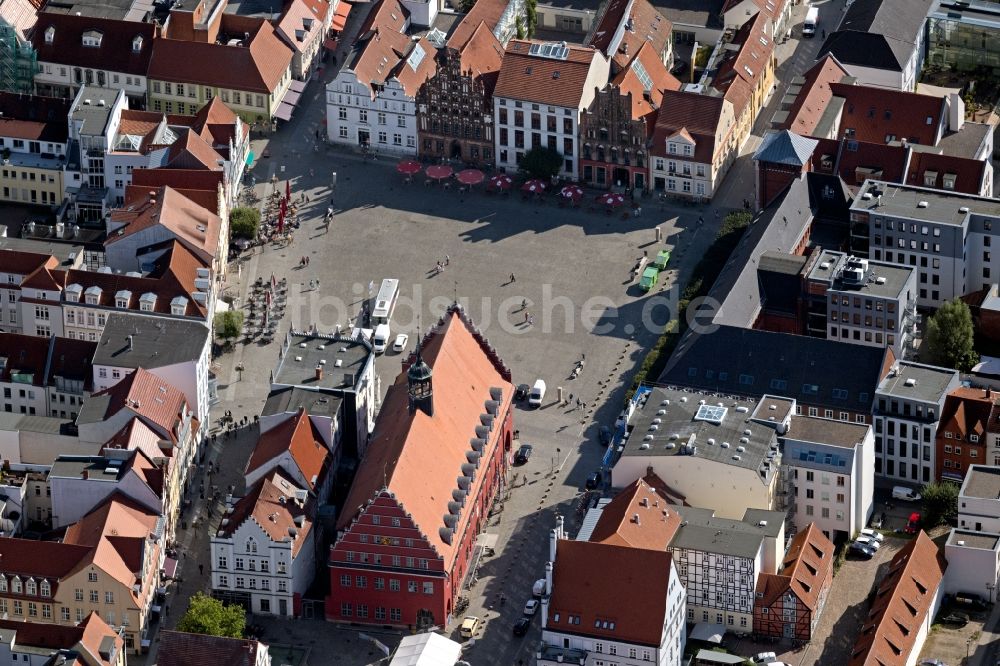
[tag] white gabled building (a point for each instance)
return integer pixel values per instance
(264, 555)
(541, 93)
(372, 101)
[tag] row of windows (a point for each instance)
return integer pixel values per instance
(30, 176)
(29, 587)
(824, 512)
(17, 607)
(412, 586)
(241, 564)
(633, 653)
(828, 413)
(397, 560)
(33, 196)
(349, 610)
(973, 452)
(824, 497)
(846, 334)
(243, 583)
(857, 321)
(730, 620)
(913, 469)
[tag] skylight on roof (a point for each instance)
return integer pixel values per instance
(640, 71)
(553, 50)
(416, 57)
(711, 414)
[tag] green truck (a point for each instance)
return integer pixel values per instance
(649, 278)
(662, 259)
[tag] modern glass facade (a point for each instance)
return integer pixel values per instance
(964, 37)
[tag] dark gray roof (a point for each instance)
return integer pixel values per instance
(942, 207)
(698, 13)
(290, 399)
(156, 341)
(341, 358)
(775, 261)
(94, 408)
(99, 468)
(982, 482)
(752, 362)
(917, 381)
(901, 20)
(865, 50)
(701, 530)
(971, 539)
(785, 147)
(826, 431)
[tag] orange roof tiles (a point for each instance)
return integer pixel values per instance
(151, 398)
(698, 115)
(192, 151)
(419, 457)
(657, 520)
(482, 53)
(642, 25)
(300, 17)
(740, 70)
(190, 223)
(807, 565)
(484, 11)
(271, 504)
(298, 436)
(383, 54)
(629, 605)
(815, 95)
(968, 411)
(645, 102)
(880, 115)
(545, 80)
(901, 604)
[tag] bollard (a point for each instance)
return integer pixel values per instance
(659, 234)
(560, 391)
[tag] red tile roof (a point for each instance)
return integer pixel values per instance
(545, 80)
(181, 649)
(258, 68)
(39, 559)
(158, 403)
(902, 602)
(815, 95)
(970, 175)
(805, 570)
(645, 102)
(628, 605)
(484, 11)
(32, 131)
(86, 637)
(191, 151)
(419, 457)
(179, 179)
(383, 54)
(740, 70)
(967, 411)
(698, 115)
(876, 114)
(24, 355)
(299, 437)
(642, 25)
(272, 505)
(657, 520)
(19, 262)
(855, 161)
(115, 53)
(482, 54)
(71, 359)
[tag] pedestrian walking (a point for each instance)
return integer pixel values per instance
(526, 315)
(447, 260)
(201, 569)
(512, 278)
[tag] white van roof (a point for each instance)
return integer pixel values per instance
(539, 384)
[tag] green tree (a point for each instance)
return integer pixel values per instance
(940, 500)
(228, 324)
(206, 615)
(467, 5)
(519, 28)
(244, 222)
(531, 10)
(949, 337)
(541, 162)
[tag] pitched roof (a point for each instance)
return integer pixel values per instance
(970, 174)
(258, 68)
(41, 559)
(99, 640)
(389, 15)
(641, 25)
(807, 565)
(784, 147)
(902, 601)
(191, 151)
(968, 411)
(272, 505)
(876, 114)
(382, 54)
(93, 640)
(901, 20)
(645, 102)
(482, 54)
(815, 94)
(149, 397)
(155, 341)
(116, 50)
(535, 78)
(856, 161)
(657, 520)
(642, 576)
(24, 357)
(300, 20)
(188, 222)
(484, 11)
(299, 437)
(740, 70)
(138, 436)
(417, 457)
(71, 359)
(698, 115)
(177, 648)
(179, 179)
(770, 8)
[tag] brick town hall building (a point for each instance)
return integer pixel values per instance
(438, 458)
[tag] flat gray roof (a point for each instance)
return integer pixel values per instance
(672, 422)
(966, 142)
(43, 424)
(342, 360)
(94, 116)
(982, 481)
(289, 399)
(827, 431)
(916, 381)
(903, 201)
(61, 251)
(703, 531)
(882, 279)
(970, 539)
(155, 341)
(774, 409)
(97, 467)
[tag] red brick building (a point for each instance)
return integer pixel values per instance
(439, 454)
(788, 604)
(969, 419)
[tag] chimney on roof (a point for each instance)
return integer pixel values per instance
(635, 519)
(319, 373)
(553, 540)
(85, 474)
(989, 393)
(128, 338)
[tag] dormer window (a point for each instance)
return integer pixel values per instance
(92, 38)
(46, 589)
(948, 181)
(137, 44)
(148, 302)
(29, 587)
(178, 306)
(3, 583)
(123, 298)
(93, 295)
(73, 292)
(50, 34)
(672, 148)
(15, 585)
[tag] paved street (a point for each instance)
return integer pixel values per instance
(574, 269)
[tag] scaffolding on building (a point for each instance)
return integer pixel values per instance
(18, 61)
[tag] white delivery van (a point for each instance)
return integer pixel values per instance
(905, 494)
(811, 22)
(381, 338)
(537, 393)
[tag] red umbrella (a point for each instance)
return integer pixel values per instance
(408, 167)
(501, 181)
(439, 171)
(571, 192)
(288, 189)
(470, 177)
(281, 220)
(534, 186)
(611, 199)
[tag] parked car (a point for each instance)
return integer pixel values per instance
(905, 494)
(913, 524)
(662, 259)
(400, 344)
(650, 276)
(872, 534)
(537, 393)
(594, 480)
(521, 626)
(678, 68)
(521, 393)
(955, 619)
(861, 550)
(470, 625)
(538, 589)
(531, 607)
(868, 542)
(523, 454)
(878, 521)
(932, 662)
(764, 657)
(605, 435)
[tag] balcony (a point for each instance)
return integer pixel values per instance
(551, 655)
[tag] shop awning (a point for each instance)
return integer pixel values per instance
(297, 86)
(291, 97)
(340, 16)
(250, 158)
(169, 567)
(284, 111)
